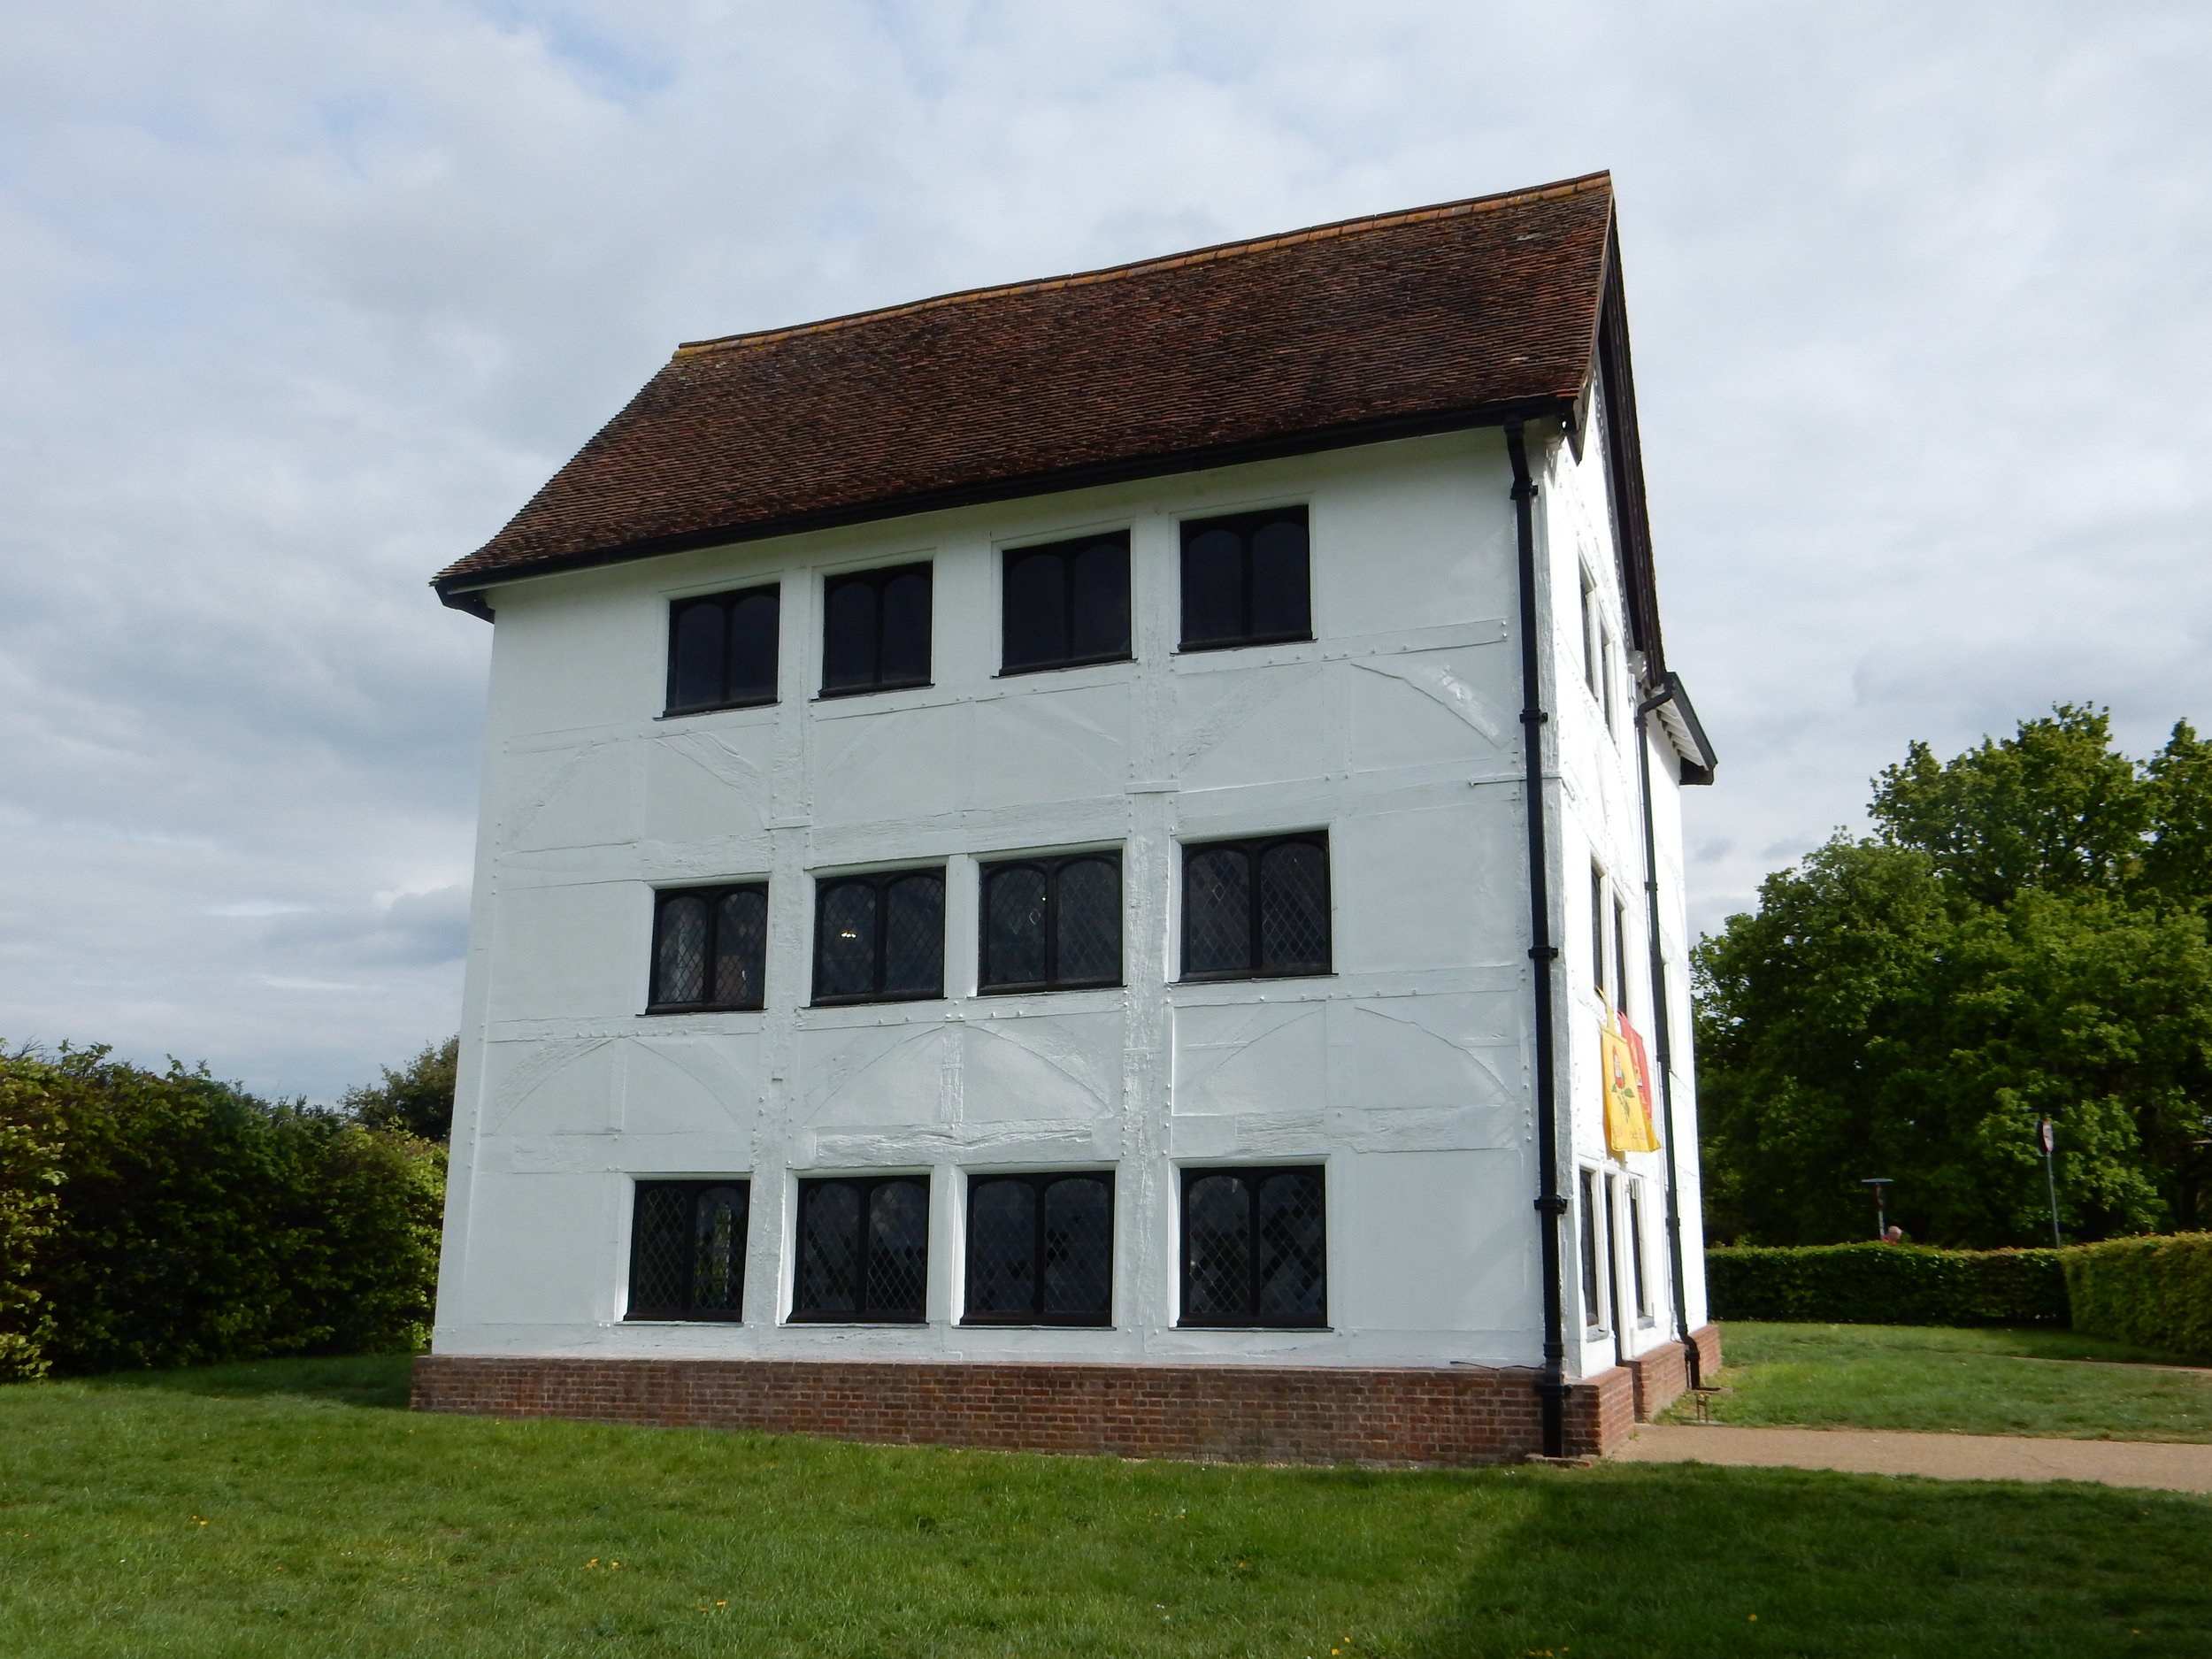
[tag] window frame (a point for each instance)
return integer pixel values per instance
(858, 1314)
(1600, 956)
(878, 577)
(1595, 1245)
(1646, 1312)
(1254, 848)
(1245, 525)
(1036, 1316)
(881, 880)
(1052, 864)
(727, 601)
(1066, 550)
(1252, 1174)
(714, 896)
(698, 1187)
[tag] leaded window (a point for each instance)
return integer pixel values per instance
(1246, 580)
(880, 938)
(722, 650)
(709, 948)
(1052, 923)
(1040, 1250)
(1592, 1255)
(1254, 1248)
(688, 1251)
(863, 1249)
(1256, 907)
(875, 630)
(1067, 603)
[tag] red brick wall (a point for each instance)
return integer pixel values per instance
(1459, 1414)
(1660, 1375)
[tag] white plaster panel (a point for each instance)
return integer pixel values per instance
(540, 1251)
(1050, 744)
(889, 763)
(888, 1075)
(1040, 1067)
(583, 797)
(1402, 897)
(570, 950)
(1251, 1057)
(1442, 1242)
(1254, 725)
(1420, 708)
(708, 783)
(1415, 538)
(692, 1085)
(551, 1088)
(1400, 1052)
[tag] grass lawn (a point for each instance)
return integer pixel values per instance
(290, 1509)
(2049, 1383)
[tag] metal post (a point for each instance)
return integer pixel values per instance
(1881, 1217)
(2045, 1134)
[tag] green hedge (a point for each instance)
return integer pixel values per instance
(1886, 1284)
(2155, 1292)
(162, 1220)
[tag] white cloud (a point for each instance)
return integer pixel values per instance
(298, 302)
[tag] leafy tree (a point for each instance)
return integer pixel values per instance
(416, 1099)
(2025, 935)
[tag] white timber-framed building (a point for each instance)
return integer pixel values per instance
(1081, 842)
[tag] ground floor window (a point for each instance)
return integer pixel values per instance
(1254, 1247)
(863, 1249)
(1040, 1248)
(1593, 1254)
(1636, 1249)
(688, 1251)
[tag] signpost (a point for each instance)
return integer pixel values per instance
(2048, 1139)
(1881, 1220)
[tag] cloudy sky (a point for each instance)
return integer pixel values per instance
(299, 299)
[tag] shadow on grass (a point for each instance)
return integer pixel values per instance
(373, 1381)
(1698, 1561)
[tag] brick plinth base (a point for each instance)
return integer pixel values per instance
(1457, 1413)
(1661, 1375)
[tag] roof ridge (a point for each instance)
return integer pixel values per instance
(1578, 185)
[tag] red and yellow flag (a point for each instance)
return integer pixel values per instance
(1627, 1076)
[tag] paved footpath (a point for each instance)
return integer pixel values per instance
(2174, 1467)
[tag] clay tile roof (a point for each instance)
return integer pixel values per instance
(1440, 317)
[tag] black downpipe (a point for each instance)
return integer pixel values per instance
(1662, 1035)
(1551, 1203)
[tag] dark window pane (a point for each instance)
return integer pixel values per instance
(845, 948)
(752, 673)
(1216, 911)
(659, 1251)
(740, 947)
(1087, 914)
(718, 1261)
(1079, 1246)
(1294, 907)
(898, 1248)
(1290, 1247)
(914, 934)
(1100, 601)
(848, 636)
(679, 954)
(1001, 1247)
(695, 655)
(1592, 1315)
(1014, 926)
(829, 1249)
(1217, 1216)
(906, 628)
(1280, 602)
(1036, 610)
(1213, 587)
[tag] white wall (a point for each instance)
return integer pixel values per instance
(1406, 1072)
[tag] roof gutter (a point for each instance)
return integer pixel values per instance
(1551, 1203)
(466, 590)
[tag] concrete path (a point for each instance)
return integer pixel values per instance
(2160, 1463)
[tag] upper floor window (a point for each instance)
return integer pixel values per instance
(1052, 923)
(709, 948)
(1256, 908)
(1254, 1247)
(863, 1249)
(1040, 1250)
(1246, 580)
(688, 1251)
(880, 938)
(875, 630)
(722, 650)
(1592, 633)
(1067, 603)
